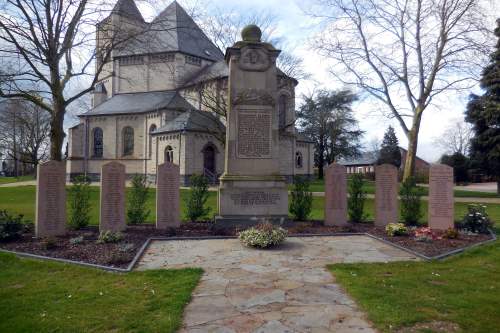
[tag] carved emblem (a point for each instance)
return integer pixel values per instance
(254, 60)
(254, 97)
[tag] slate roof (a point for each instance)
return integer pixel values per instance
(128, 9)
(173, 30)
(366, 158)
(193, 120)
(140, 103)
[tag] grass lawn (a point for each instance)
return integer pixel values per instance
(319, 186)
(42, 296)
(464, 290)
(21, 200)
(8, 180)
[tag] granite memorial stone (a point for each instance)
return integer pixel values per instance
(336, 195)
(386, 194)
(167, 196)
(441, 210)
(50, 217)
(112, 217)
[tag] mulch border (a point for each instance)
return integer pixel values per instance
(148, 241)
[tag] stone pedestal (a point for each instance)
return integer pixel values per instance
(251, 187)
(167, 196)
(441, 201)
(50, 217)
(112, 217)
(386, 194)
(336, 195)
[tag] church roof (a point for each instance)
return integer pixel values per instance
(139, 103)
(193, 120)
(128, 9)
(173, 30)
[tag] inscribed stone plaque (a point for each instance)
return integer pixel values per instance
(386, 194)
(167, 196)
(441, 197)
(112, 197)
(51, 199)
(254, 134)
(336, 195)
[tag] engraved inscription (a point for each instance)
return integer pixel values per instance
(52, 199)
(254, 60)
(252, 198)
(441, 200)
(112, 197)
(386, 187)
(167, 204)
(254, 135)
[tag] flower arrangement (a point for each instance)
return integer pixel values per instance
(264, 235)
(425, 234)
(476, 220)
(396, 229)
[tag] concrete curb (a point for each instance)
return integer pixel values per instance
(148, 241)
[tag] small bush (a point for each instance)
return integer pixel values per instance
(109, 237)
(301, 201)
(76, 240)
(411, 203)
(396, 229)
(137, 198)
(11, 227)
(197, 198)
(79, 202)
(476, 219)
(450, 233)
(357, 198)
(264, 235)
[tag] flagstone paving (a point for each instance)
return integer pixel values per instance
(287, 289)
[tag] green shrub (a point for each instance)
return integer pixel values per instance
(264, 235)
(476, 219)
(357, 198)
(411, 202)
(197, 198)
(137, 198)
(11, 227)
(79, 202)
(301, 201)
(109, 237)
(396, 229)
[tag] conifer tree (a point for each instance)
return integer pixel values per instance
(389, 150)
(483, 112)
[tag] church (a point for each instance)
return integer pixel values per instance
(162, 96)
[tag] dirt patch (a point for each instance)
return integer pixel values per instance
(432, 326)
(122, 253)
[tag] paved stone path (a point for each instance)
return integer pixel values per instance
(282, 290)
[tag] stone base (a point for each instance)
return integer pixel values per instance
(244, 222)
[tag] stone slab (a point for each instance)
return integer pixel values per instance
(50, 217)
(386, 194)
(112, 214)
(167, 196)
(441, 201)
(336, 195)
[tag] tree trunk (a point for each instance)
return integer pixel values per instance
(412, 136)
(57, 130)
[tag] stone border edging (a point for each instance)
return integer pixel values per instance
(144, 246)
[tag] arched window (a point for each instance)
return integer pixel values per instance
(97, 143)
(128, 141)
(298, 159)
(169, 154)
(152, 128)
(282, 106)
(209, 158)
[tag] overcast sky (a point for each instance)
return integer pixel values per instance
(298, 28)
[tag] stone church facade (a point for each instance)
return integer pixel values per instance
(161, 96)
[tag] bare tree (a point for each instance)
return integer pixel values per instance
(48, 46)
(456, 138)
(404, 53)
(24, 133)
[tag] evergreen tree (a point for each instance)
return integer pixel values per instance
(483, 112)
(389, 150)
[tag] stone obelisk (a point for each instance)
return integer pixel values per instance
(251, 188)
